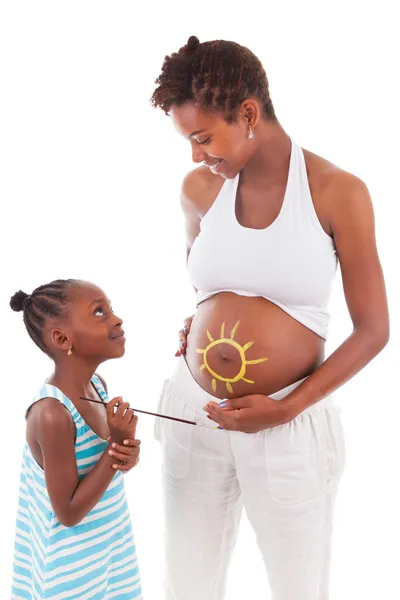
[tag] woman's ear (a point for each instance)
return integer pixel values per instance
(250, 110)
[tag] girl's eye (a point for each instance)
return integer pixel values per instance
(99, 311)
(204, 142)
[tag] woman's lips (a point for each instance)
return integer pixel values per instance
(216, 167)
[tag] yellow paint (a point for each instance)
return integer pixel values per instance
(241, 349)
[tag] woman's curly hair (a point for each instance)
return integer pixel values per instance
(216, 75)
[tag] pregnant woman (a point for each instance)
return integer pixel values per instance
(266, 224)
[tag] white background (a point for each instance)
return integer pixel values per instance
(90, 178)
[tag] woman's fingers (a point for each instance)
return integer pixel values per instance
(182, 342)
(183, 336)
(187, 324)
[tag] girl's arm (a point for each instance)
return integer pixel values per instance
(70, 498)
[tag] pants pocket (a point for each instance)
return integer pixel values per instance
(303, 457)
(175, 437)
(337, 454)
(157, 422)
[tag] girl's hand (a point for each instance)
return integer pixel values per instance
(183, 336)
(128, 454)
(250, 414)
(122, 423)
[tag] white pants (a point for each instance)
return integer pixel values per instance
(285, 477)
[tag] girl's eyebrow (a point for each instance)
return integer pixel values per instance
(99, 300)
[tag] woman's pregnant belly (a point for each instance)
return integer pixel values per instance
(239, 345)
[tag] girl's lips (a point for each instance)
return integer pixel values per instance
(120, 336)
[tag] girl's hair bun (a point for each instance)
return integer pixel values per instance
(193, 43)
(18, 301)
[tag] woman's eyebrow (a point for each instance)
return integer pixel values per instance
(196, 132)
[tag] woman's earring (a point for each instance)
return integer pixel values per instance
(251, 133)
(69, 351)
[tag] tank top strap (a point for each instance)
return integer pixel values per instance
(303, 204)
(51, 391)
(298, 203)
(223, 206)
(99, 387)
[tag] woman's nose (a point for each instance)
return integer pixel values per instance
(198, 154)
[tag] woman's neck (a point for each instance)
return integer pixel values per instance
(271, 158)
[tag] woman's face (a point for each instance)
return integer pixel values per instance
(223, 147)
(91, 327)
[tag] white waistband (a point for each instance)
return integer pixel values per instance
(187, 388)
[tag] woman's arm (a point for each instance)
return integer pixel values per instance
(353, 227)
(352, 223)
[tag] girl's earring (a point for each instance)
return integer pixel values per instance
(69, 351)
(251, 133)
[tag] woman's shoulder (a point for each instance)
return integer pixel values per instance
(335, 192)
(200, 189)
(325, 176)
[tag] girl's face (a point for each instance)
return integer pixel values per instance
(91, 328)
(224, 147)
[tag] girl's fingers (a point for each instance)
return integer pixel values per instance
(132, 442)
(127, 466)
(126, 449)
(128, 458)
(111, 405)
(122, 408)
(129, 417)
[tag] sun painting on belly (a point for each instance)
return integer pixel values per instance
(242, 354)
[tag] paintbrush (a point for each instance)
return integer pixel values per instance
(146, 412)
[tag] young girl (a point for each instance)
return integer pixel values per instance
(74, 536)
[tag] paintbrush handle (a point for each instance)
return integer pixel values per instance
(146, 412)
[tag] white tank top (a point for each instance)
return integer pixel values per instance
(291, 263)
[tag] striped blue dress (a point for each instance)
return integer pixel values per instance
(94, 560)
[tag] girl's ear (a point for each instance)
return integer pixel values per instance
(60, 340)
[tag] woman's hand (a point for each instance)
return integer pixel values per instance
(122, 423)
(128, 454)
(250, 414)
(183, 336)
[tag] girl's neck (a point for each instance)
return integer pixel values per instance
(73, 378)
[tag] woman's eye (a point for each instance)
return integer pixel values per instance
(207, 141)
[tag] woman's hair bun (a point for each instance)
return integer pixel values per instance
(18, 301)
(193, 42)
